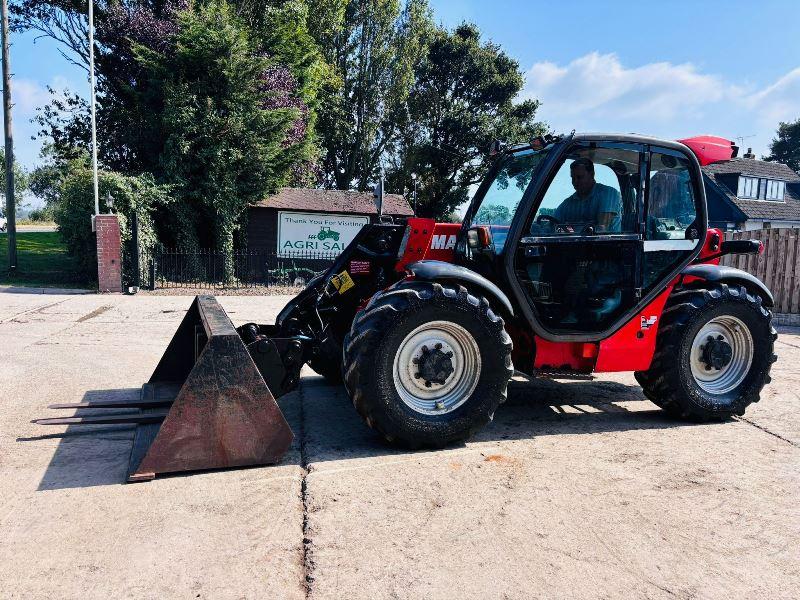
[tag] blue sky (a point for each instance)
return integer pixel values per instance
(671, 69)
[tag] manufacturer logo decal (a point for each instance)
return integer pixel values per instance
(648, 322)
(443, 242)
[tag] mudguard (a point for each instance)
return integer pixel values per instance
(436, 270)
(723, 274)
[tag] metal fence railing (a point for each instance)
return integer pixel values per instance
(205, 268)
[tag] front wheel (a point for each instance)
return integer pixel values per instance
(427, 364)
(713, 353)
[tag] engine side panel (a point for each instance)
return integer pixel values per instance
(429, 240)
(632, 347)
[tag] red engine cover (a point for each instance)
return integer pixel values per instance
(429, 240)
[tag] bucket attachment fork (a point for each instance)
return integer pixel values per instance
(207, 404)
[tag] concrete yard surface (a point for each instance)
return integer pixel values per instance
(578, 489)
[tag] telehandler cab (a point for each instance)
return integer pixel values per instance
(578, 254)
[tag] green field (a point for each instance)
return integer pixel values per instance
(42, 260)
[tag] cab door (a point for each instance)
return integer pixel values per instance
(673, 217)
(579, 259)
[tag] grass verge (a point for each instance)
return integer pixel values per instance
(42, 261)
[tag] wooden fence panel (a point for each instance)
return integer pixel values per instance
(778, 266)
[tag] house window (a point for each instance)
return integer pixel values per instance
(748, 187)
(775, 190)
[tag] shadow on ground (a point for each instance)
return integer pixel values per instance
(334, 431)
(323, 416)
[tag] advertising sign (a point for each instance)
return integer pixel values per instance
(313, 232)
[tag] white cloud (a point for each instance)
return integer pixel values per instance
(598, 92)
(602, 85)
(779, 101)
(27, 95)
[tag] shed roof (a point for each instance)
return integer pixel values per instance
(335, 201)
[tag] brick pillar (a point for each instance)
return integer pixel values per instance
(109, 253)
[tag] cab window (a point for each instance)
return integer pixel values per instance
(671, 203)
(671, 228)
(594, 191)
(499, 204)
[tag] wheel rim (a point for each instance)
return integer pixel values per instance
(721, 355)
(432, 342)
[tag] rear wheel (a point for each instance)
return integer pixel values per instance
(426, 364)
(713, 354)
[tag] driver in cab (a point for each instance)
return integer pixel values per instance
(592, 202)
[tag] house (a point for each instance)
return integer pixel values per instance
(746, 194)
(300, 220)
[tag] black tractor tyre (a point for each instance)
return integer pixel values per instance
(328, 361)
(670, 383)
(377, 336)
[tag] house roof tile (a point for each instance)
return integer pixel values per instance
(789, 210)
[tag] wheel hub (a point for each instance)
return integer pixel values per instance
(716, 353)
(721, 354)
(434, 365)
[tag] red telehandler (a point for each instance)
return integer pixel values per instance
(579, 254)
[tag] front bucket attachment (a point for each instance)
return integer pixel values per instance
(206, 405)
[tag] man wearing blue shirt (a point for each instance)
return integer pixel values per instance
(592, 202)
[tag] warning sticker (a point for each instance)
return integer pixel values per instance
(360, 267)
(342, 282)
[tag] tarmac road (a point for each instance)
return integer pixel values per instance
(578, 489)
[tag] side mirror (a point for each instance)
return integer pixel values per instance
(479, 238)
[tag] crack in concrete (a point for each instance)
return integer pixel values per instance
(308, 562)
(38, 309)
(765, 430)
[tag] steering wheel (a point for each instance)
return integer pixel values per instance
(542, 219)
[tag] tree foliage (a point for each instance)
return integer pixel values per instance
(229, 125)
(132, 195)
(372, 47)
(216, 98)
(21, 181)
(785, 147)
(463, 99)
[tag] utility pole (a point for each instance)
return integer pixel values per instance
(10, 204)
(92, 109)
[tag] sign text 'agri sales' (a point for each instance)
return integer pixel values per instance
(312, 232)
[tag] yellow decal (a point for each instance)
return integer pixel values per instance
(342, 282)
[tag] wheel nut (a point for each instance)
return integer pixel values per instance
(438, 346)
(417, 375)
(427, 384)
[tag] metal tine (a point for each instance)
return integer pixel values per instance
(154, 417)
(115, 404)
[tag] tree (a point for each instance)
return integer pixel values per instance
(45, 181)
(463, 99)
(130, 102)
(20, 181)
(372, 47)
(785, 147)
(228, 137)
